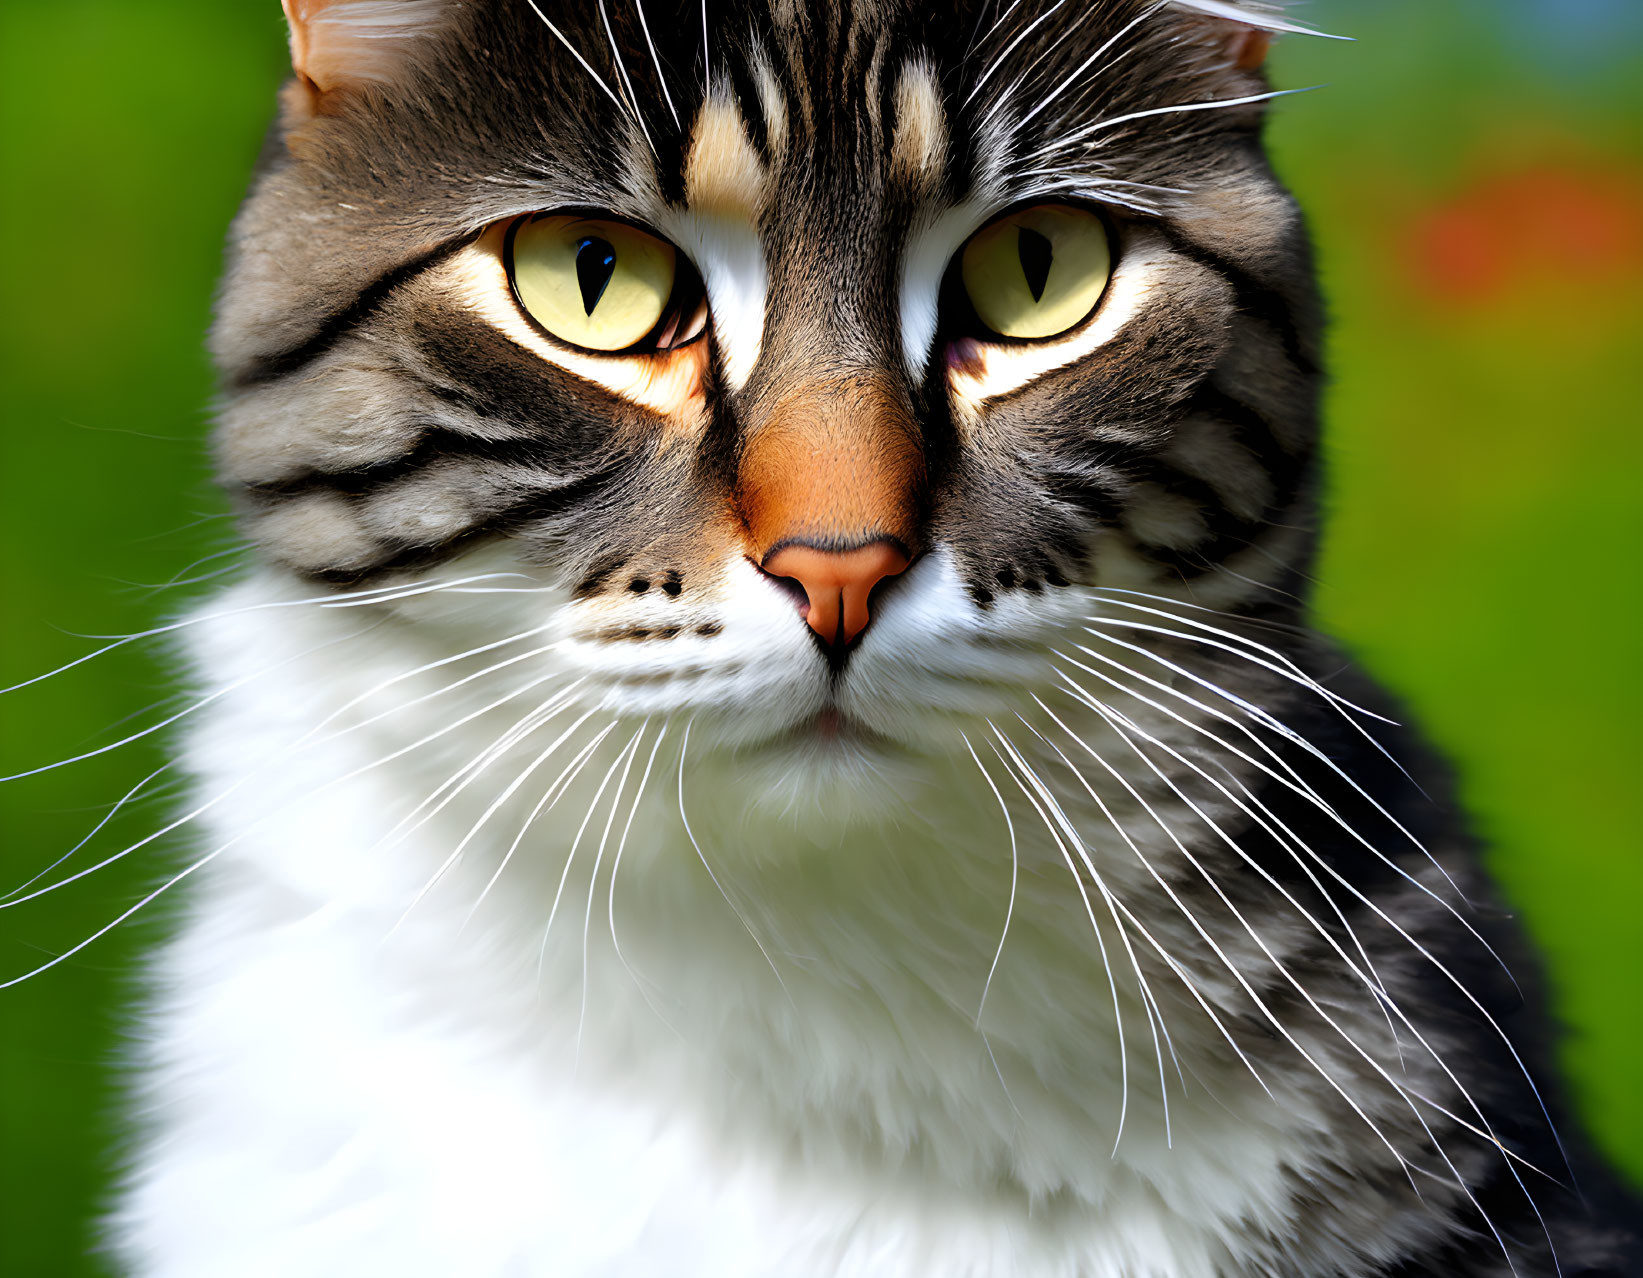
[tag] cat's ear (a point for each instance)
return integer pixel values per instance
(1244, 29)
(338, 44)
(1247, 48)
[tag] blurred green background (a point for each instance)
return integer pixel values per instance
(1474, 173)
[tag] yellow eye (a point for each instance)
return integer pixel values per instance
(597, 284)
(1037, 272)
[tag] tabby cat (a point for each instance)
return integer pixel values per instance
(774, 733)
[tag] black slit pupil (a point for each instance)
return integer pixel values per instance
(595, 264)
(1035, 251)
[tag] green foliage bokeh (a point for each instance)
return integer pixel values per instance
(1483, 436)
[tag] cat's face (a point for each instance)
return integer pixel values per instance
(825, 355)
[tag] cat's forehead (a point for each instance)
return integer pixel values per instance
(795, 109)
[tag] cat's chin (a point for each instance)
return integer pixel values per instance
(823, 778)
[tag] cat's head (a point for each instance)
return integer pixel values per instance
(826, 356)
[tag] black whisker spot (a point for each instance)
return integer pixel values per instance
(638, 585)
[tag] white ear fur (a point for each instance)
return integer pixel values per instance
(340, 42)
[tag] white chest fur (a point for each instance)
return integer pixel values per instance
(773, 1069)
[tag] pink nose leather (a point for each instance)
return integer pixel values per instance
(837, 583)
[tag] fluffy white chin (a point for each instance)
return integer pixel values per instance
(816, 783)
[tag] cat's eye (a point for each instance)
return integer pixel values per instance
(1037, 272)
(603, 285)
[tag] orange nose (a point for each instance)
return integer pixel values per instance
(837, 584)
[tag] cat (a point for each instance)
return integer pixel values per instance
(775, 729)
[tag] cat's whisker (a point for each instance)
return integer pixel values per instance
(1285, 664)
(624, 759)
(1292, 782)
(452, 787)
(178, 578)
(1376, 986)
(114, 811)
(1015, 875)
(585, 65)
(989, 118)
(1077, 136)
(1168, 959)
(981, 80)
(550, 797)
(1028, 781)
(1124, 727)
(1290, 630)
(507, 792)
(123, 916)
(979, 37)
(656, 61)
(1146, 15)
(1113, 718)
(622, 77)
(1268, 819)
(376, 594)
(735, 909)
(442, 691)
(1009, 914)
(224, 794)
(568, 778)
(209, 699)
(1271, 722)
(616, 866)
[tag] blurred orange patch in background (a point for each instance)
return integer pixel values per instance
(1548, 229)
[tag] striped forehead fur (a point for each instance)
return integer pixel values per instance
(722, 171)
(920, 137)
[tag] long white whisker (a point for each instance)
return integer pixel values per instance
(1124, 727)
(447, 791)
(656, 61)
(1007, 50)
(1079, 135)
(1015, 874)
(583, 62)
(616, 865)
(734, 908)
(1231, 968)
(192, 708)
(629, 752)
(230, 790)
(1009, 914)
(1066, 855)
(1267, 720)
(550, 796)
(109, 816)
(1388, 1005)
(374, 595)
(110, 926)
(507, 792)
(1266, 818)
(1145, 15)
(622, 75)
(570, 857)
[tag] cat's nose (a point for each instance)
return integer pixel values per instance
(837, 584)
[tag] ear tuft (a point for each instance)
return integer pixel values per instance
(1249, 49)
(338, 43)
